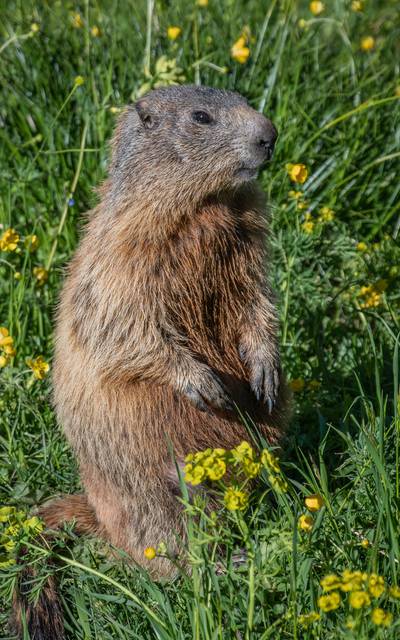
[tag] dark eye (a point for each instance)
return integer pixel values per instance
(202, 117)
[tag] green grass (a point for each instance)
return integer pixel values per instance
(337, 111)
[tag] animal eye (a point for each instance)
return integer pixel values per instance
(202, 117)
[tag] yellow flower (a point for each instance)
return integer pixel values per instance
(302, 23)
(270, 461)
(308, 227)
(364, 543)
(329, 602)
(3, 362)
(7, 563)
(315, 502)
(278, 484)
(115, 109)
(79, 81)
(326, 214)
(242, 451)
(331, 582)
(95, 31)
(297, 385)
(39, 367)
(235, 500)
(9, 240)
(18, 275)
(202, 3)
(34, 27)
(34, 525)
(31, 242)
(295, 194)
(316, 7)
(77, 21)
(41, 274)
(359, 599)
(217, 470)
(381, 617)
(306, 523)
(394, 591)
(174, 32)
(361, 246)
(251, 468)
(194, 474)
(6, 513)
(297, 172)
(239, 51)
(350, 623)
(376, 585)
(307, 619)
(357, 5)
(353, 580)
(150, 553)
(367, 43)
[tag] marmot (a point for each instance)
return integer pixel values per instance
(166, 317)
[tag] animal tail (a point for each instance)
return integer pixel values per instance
(43, 619)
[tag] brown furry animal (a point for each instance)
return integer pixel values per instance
(166, 317)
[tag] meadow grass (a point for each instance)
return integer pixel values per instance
(66, 70)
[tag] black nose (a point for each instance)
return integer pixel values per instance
(267, 139)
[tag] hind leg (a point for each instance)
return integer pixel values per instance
(139, 518)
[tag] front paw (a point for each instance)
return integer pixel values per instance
(206, 390)
(264, 376)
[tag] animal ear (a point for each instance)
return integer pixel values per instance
(148, 119)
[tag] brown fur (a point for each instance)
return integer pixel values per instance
(166, 315)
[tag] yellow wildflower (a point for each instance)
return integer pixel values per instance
(18, 275)
(33, 524)
(302, 204)
(174, 32)
(361, 246)
(315, 502)
(79, 81)
(302, 23)
(316, 7)
(278, 483)
(41, 274)
(242, 451)
(295, 194)
(9, 240)
(394, 591)
(235, 500)
(6, 513)
(330, 602)
(270, 461)
(150, 553)
(34, 27)
(3, 362)
(202, 3)
(7, 563)
(331, 582)
(376, 585)
(251, 468)
(297, 385)
(326, 214)
(381, 617)
(359, 599)
(115, 109)
(95, 31)
(353, 580)
(39, 367)
(297, 172)
(194, 475)
(306, 523)
(217, 470)
(357, 5)
(364, 543)
(31, 242)
(367, 43)
(350, 623)
(77, 21)
(307, 619)
(308, 226)
(239, 51)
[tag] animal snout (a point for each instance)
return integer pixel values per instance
(265, 137)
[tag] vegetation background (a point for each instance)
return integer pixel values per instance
(328, 77)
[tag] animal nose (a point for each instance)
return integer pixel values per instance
(266, 138)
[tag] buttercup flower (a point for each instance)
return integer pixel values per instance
(357, 5)
(367, 43)
(77, 21)
(174, 32)
(381, 617)
(235, 500)
(315, 502)
(330, 602)
(31, 242)
(9, 240)
(394, 591)
(95, 31)
(326, 214)
(361, 246)
(79, 81)
(39, 367)
(316, 7)
(308, 226)
(331, 582)
(376, 585)
(150, 553)
(202, 3)
(34, 27)
(41, 274)
(297, 172)
(364, 543)
(3, 361)
(359, 599)
(239, 51)
(306, 523)
(194, 475)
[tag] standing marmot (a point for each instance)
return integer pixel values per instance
(166, 317)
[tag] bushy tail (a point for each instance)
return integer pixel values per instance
(42, 618)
